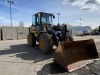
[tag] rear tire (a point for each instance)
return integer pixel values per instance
(45, 43)
(31, 40)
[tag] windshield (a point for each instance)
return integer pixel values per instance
(46, 19)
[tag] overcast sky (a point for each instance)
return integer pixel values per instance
(70, 11)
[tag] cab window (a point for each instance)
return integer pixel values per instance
(33, 20)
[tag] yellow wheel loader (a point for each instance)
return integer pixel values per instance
(69, 54)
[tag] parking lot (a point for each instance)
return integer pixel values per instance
(17, 58)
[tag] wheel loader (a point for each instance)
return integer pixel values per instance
(69, 54)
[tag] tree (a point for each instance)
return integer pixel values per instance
(21, 24)
(69, 26)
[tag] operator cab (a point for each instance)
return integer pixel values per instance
(40, 19)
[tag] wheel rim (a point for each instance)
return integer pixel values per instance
(42, 43)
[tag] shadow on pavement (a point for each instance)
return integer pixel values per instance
(55, 69)
(26, 53)
(51, 68)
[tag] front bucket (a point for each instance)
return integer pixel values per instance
(75, 54)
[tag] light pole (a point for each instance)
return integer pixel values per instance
(10, 2)
(58, 18)
(80, 21)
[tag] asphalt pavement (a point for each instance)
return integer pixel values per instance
(17, 58)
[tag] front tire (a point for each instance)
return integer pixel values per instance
(45, 43)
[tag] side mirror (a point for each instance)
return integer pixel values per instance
(53, 16)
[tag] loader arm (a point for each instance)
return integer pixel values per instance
(52, 32)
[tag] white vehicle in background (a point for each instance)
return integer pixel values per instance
(79, 33)
(87, 30)
(81, 30)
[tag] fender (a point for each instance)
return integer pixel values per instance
(39, 35)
